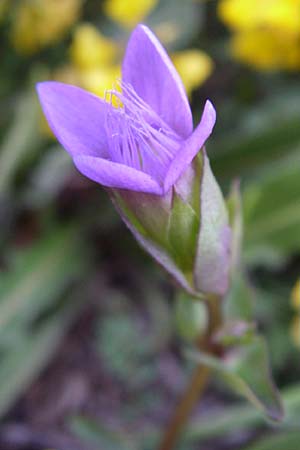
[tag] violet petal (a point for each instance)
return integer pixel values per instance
(75, 116)
(191, 146)
(112, 174)
(148, 68)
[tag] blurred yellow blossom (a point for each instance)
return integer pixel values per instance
(90, 48)
(193, 66)
(38, 23)
(295, 296)
(128, 12)
(295, 324)
(247, 14)
(95, 64)
(99, 79)
(295, 331)
(266, 32)
(266, 49)
(95, 59)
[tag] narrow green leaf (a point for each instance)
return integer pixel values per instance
(246, 370)
(48, 178)
(263, 137)
(19, 367)
(272, 213)
(239, 417)
(89, 430)
(231, 419)
(38, 277)
(239, 303)
(21, 139)
(285, 441)
(234, 205)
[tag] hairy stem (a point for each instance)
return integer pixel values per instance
(197, 383)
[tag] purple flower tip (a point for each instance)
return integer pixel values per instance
(141, 136)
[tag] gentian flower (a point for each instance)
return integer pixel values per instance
(140, 144)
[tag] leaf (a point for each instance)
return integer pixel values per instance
(39, 275)
(239, 302)
(286, 441)
(246, 370)
(263, 150)
(272, 213)
(264, 136)
(89, 430)
(234, 205)
(48, 178)
(19, 367)
(232, 419)
(22, 139)
(242, 417)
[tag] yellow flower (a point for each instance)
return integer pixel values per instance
(95, 59)
(295, 296)
(295, 324)
(193, 66)
(267, 49)
(249, 14)
(99, 79)
(295, 331)
(38, 23)
(90, 48)
(128, 12)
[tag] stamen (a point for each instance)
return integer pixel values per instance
(137, 136)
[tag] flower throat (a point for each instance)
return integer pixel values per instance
(137, 136)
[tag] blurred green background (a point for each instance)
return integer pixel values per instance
(90, 353)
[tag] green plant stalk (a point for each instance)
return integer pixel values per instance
(198, 382)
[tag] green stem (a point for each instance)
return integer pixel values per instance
(184, 408)
(197, 384)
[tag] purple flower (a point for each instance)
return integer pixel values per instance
(140, 143)
(147, 141)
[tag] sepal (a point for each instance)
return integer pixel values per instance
(160, 254)
(212, 262)
(190, 317)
